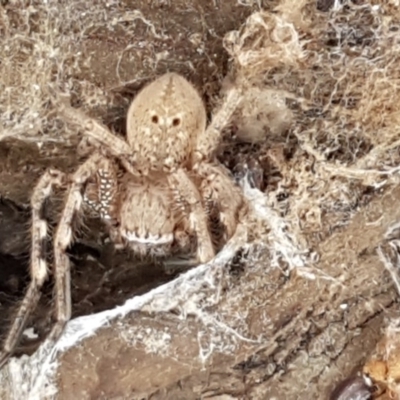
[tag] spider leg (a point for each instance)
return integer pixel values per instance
(63, 238)
(187, 193)
(38, 267)
(219, 189)
(100, 195)
(115, 145)
(208, 141)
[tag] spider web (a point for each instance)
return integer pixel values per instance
(34, 377)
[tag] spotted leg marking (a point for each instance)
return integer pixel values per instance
(100, 194)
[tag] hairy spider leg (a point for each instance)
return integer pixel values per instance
(208, 141)
(63, 239)
(186, 192)
(221, 193)
(38, 265)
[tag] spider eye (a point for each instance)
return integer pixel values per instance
(154, 119)
(176, 121)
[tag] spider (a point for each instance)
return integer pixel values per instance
(171, 189)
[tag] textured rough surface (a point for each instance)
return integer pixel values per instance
(303, 330)
(305, 299)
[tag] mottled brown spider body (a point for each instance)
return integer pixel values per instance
(167, 189)
(140, 213)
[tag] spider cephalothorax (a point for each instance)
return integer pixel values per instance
(155, 191)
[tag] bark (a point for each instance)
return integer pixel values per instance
(310, 334)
